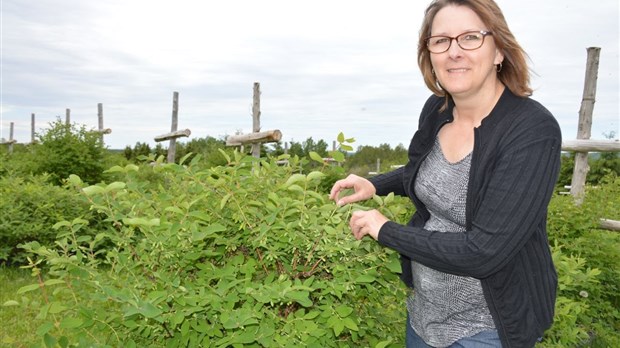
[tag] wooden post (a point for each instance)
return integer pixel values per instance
(580, 172)
(256, 118)
(68, 117)
(11, 140)
(174, 134)
(32, 139)
(172, 147)
(100, 121)
(256, 138)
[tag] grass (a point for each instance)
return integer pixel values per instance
(18, 319)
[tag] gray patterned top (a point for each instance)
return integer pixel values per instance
(445, 307)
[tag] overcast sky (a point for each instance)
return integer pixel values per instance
(323, 66)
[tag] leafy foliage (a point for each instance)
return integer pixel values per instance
(69, 149)
(588, 264)
(247, 252)
(243, 254)
(29, 208)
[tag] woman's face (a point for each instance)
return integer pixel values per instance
(464, 73)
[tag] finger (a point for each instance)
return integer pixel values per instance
(338, 186)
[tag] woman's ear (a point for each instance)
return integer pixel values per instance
(499, 57)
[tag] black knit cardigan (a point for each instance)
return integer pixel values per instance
(514, 167)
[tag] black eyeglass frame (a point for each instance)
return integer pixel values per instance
(484, 33)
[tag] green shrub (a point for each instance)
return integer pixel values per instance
(28, 209)
(588, 264)
(243, 254)
(69, 149)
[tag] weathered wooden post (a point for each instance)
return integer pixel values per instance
(11, 140)
(32, 139)
(256, 118)
(102, 131)
(256, 138)
(174, 134)
(584, 144)
(580, 172)
(68, 117)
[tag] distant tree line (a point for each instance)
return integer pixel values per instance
(65, 149)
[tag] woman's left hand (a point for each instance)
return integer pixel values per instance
(367, 223)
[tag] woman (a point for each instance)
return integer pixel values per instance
(482, 169)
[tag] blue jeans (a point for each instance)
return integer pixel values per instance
(484, 339)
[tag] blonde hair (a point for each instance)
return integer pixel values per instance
(514, 72)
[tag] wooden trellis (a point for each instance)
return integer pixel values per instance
(256, 138)
(174, 133)
(584, 144)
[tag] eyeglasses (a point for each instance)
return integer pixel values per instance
(468, 41)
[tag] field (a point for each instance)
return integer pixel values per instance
(250, 253)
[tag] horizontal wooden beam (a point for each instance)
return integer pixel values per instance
(8, 142)
(270, 136)
(104, 131)
(590, 145)
(173, 135)
(607, 224)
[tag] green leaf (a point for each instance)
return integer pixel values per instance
(115, 186)
(225, 200)
(340, 137)
(214, 228)
(344, 311)
(132, 168)
(200, 215)
(294, 178)
(300, 297)
(316, 157)
(295, 188)
(344, 147)
(56, 307)
(115, 169)
(70, 323)
(10, 303)
(365, 279)
(93, 190)
(149, 310)
(141, 222)
(27, 288)
(383, 344)
(223, 153)
(315, 175)
(377, 199)
(185, 329)
(63, 342)
(337, 155)
(311, 315)
(336, 324)
(49, 340)
(44, 328)
(349, 323)
(75, 180)
(394, 265)
(61, 224)
(53, 282)
(174, 209)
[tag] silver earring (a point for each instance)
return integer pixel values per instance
(499, 67)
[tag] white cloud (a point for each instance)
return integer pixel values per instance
(324, 66)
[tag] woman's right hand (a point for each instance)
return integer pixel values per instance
(362, 187)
